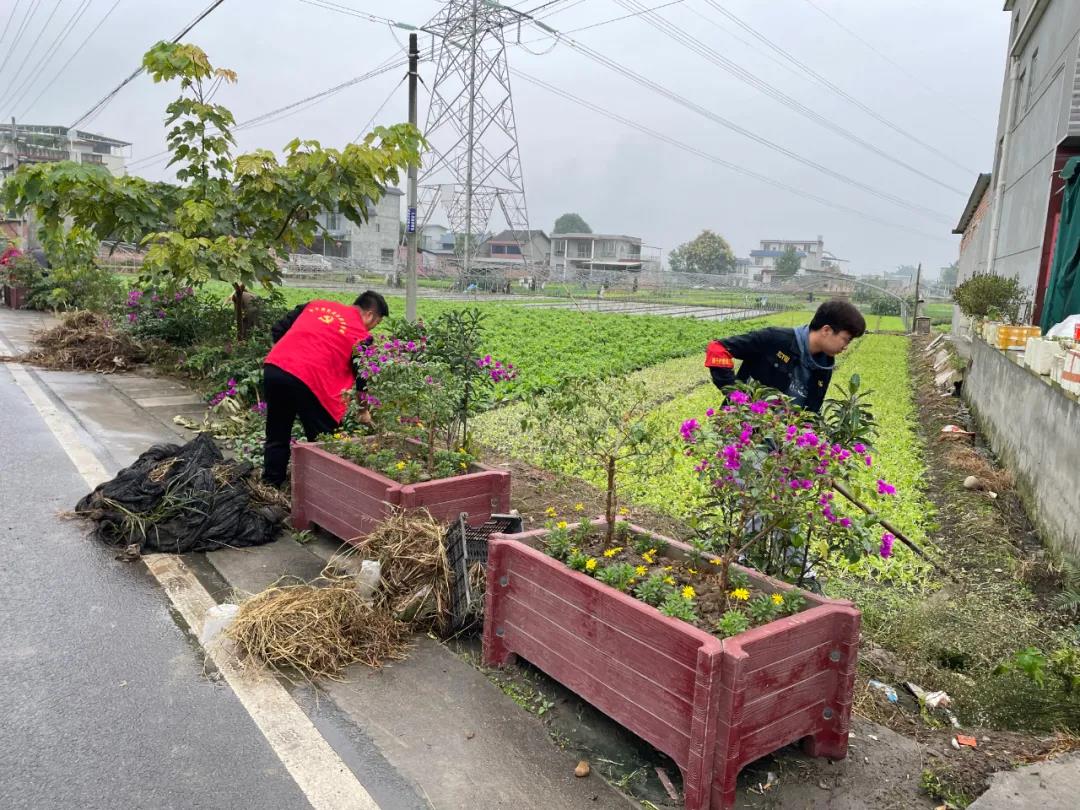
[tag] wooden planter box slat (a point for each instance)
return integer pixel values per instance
(712, 705)
(607, 639)
(350, 501)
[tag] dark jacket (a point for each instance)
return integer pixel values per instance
(771, 357)
(278, 330)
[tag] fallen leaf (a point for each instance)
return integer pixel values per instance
(582, 770)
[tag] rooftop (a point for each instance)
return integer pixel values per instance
(982, 183)
(596, 236)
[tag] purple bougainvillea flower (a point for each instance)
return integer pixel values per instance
(738, 397)
(759, 406)
(859, 449)
(869, 461)
(845, 522)
(886, 544)
(710, 413)
(885, 488)
(687, 429)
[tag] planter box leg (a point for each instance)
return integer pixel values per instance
(832, 742)
(495, 652)
(828, 744)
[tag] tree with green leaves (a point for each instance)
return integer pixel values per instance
(708, 252)
(229, 219)
(571, 223)
(949, 275)
(787, 263)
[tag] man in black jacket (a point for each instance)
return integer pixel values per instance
(798, 362)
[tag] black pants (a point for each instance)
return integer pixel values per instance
(286, 398)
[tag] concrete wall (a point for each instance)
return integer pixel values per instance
(375, 243)
(1034, 427)
(1047, 90)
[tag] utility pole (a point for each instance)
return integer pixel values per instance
(410, 216)
(918, 282)
(24, 228)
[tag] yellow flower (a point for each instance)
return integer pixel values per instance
(624, 511)
(668, 567)
(693, 571)
(777, 599)
(716, 561)
(669, 580)
(550, 511)
(688, 592)
(400, 465)
(561, 524)
(590, 564)
(579, 507)
(464, 466)
(741, 594)
(611, 552)
(648, 556)
(641, 570)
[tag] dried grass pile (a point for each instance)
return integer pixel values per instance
(416, 573)
(317, 630)
(85, 341)
(971, 462)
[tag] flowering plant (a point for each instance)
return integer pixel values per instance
(768, 489)
(431, 376)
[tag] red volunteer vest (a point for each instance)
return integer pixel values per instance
(318, 349)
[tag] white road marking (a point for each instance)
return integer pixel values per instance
(320, 773)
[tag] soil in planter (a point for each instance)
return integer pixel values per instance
(397, 458)
(688, 590)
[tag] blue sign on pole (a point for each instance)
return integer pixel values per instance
(410, 221)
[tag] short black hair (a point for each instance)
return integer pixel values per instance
(842, 316)
(371, 300)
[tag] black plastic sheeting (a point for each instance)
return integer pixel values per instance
(178, 499)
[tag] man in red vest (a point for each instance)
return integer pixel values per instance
(309, 372)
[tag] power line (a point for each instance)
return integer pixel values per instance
(30, 50)
(830, 85)
(30, 12)
(713, 158)
(626, 72)
(97, 108)
(367, 126)
(870, 45)
(748, 77)
(289, 109)
(11, 16)
(70, 59)
(17, 94)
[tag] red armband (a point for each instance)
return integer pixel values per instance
(716, 356)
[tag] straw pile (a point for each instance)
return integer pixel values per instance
(317, 631)
(86, 341)
(416, 574)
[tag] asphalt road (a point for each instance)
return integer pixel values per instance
(103, 699)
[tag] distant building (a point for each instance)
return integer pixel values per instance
(516, 248)
(810, 252)
(373, 245)
(597, 251)
(34, 143)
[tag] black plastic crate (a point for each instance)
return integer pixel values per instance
(465, 546)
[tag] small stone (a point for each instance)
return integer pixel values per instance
(469, 735)
(582, 770)
(823, 786)
(866, 760)
(972, 482)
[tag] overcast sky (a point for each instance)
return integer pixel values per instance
(932, 67)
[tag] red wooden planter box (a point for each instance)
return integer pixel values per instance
(15, 297)
(349, 501)
(713, 705)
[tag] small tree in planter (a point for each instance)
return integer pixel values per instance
(432, 375)
(601, 429)
(768, 489)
